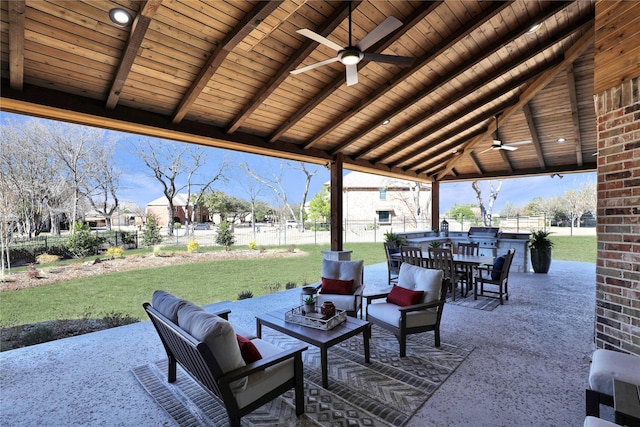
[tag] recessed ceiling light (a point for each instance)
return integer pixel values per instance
(561, 140)
(534, 28)
(386, 122)
(120, 17)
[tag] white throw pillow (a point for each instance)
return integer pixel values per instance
(218, 334)
(421, 279)
(344, 270)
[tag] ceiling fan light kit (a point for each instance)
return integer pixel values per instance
(350, 56)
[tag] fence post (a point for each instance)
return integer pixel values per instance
(517, 223)
(375, 230)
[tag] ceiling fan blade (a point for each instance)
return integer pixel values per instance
(352, 74)
(320, 39)
(402, 61)
(388, 26)
(507, 147)
(316, 65)
(484, 151)
(526, 141)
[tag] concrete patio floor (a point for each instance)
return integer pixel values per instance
(529, 366)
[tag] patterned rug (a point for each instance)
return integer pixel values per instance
(482, 303)
(386, 392)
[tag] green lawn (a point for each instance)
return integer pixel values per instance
(202, 283)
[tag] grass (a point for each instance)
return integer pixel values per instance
(203, 283)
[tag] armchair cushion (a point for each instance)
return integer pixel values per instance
(344, 270)
(218, 335)
(167, 304)
(336, 286)
(390, 314)
(498, 263)
(404, 297)
(248, 350)
(421, 279)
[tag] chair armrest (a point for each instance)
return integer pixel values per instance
(222, 313)
(262, 364)
(359, 291)
(370, 298)
(418, 307)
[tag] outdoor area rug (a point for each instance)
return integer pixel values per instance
(482, 303)
(385, 392)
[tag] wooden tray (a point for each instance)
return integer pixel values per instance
(315, 320)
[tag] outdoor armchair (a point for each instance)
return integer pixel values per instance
(413, 306)
(496, 277)
(342, 283)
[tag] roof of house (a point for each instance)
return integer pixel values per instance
(360, 180)
(179, 200)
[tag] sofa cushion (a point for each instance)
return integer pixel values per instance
(609, 364)
(344, 270)
(336, 286)
(218, 335)
(421, 279)
(404, 297)
(248, 350)
(167, 304)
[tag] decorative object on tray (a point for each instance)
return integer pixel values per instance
(328, 309)
(315, 320)
(309, 305)
(309, 293)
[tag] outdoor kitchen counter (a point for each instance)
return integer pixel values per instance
(505, 241)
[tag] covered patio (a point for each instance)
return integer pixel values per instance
(529, 364)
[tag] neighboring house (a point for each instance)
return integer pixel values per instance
(159, 209)
(125, 215)
(368, 197)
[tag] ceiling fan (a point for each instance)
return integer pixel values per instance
(352, 55)
(497, 143)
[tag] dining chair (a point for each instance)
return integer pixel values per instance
(496, 275)
(393, 263)
(471, 249)
(442, 259)
(412, 255)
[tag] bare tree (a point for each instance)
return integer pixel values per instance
(102, 182)
(578, 202)
(275, 184)
(75, 147)
(485, 211)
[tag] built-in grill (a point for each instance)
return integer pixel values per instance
(487, 237)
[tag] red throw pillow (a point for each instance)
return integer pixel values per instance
(404, 297)
(336, 286)
(248, 350)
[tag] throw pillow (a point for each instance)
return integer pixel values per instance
(336, 286)
(248, 350)
(403, 296)
(498, 263)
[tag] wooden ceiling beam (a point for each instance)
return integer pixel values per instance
(136, 37)
(518, 173)
(570, 55)
(16, 43)
(426, 8)
(533, 130)
(248, 23)
(308, 46)
(575, 114)
(472, 61)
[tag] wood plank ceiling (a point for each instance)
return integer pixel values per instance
(218, 73)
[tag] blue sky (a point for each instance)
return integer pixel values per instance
(139, 186)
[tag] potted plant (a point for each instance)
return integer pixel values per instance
(395, 240)
(540, 247)
(309, 304)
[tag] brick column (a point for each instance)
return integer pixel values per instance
(618, 266)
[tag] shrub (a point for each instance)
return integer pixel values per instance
(157, 249)
(61, 251)
(82, 242)
(273, 288)
(290, 285)
(291, 249)
(32, 272)
(151, 232)
(245, 295)
(224, 236)
(47, 258)
(38, 335)
(114, 319)
(193, 246)
(252, 245)
(113, 253)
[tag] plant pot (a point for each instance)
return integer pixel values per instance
(540, 260)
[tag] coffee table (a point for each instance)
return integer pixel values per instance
(317, 337)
